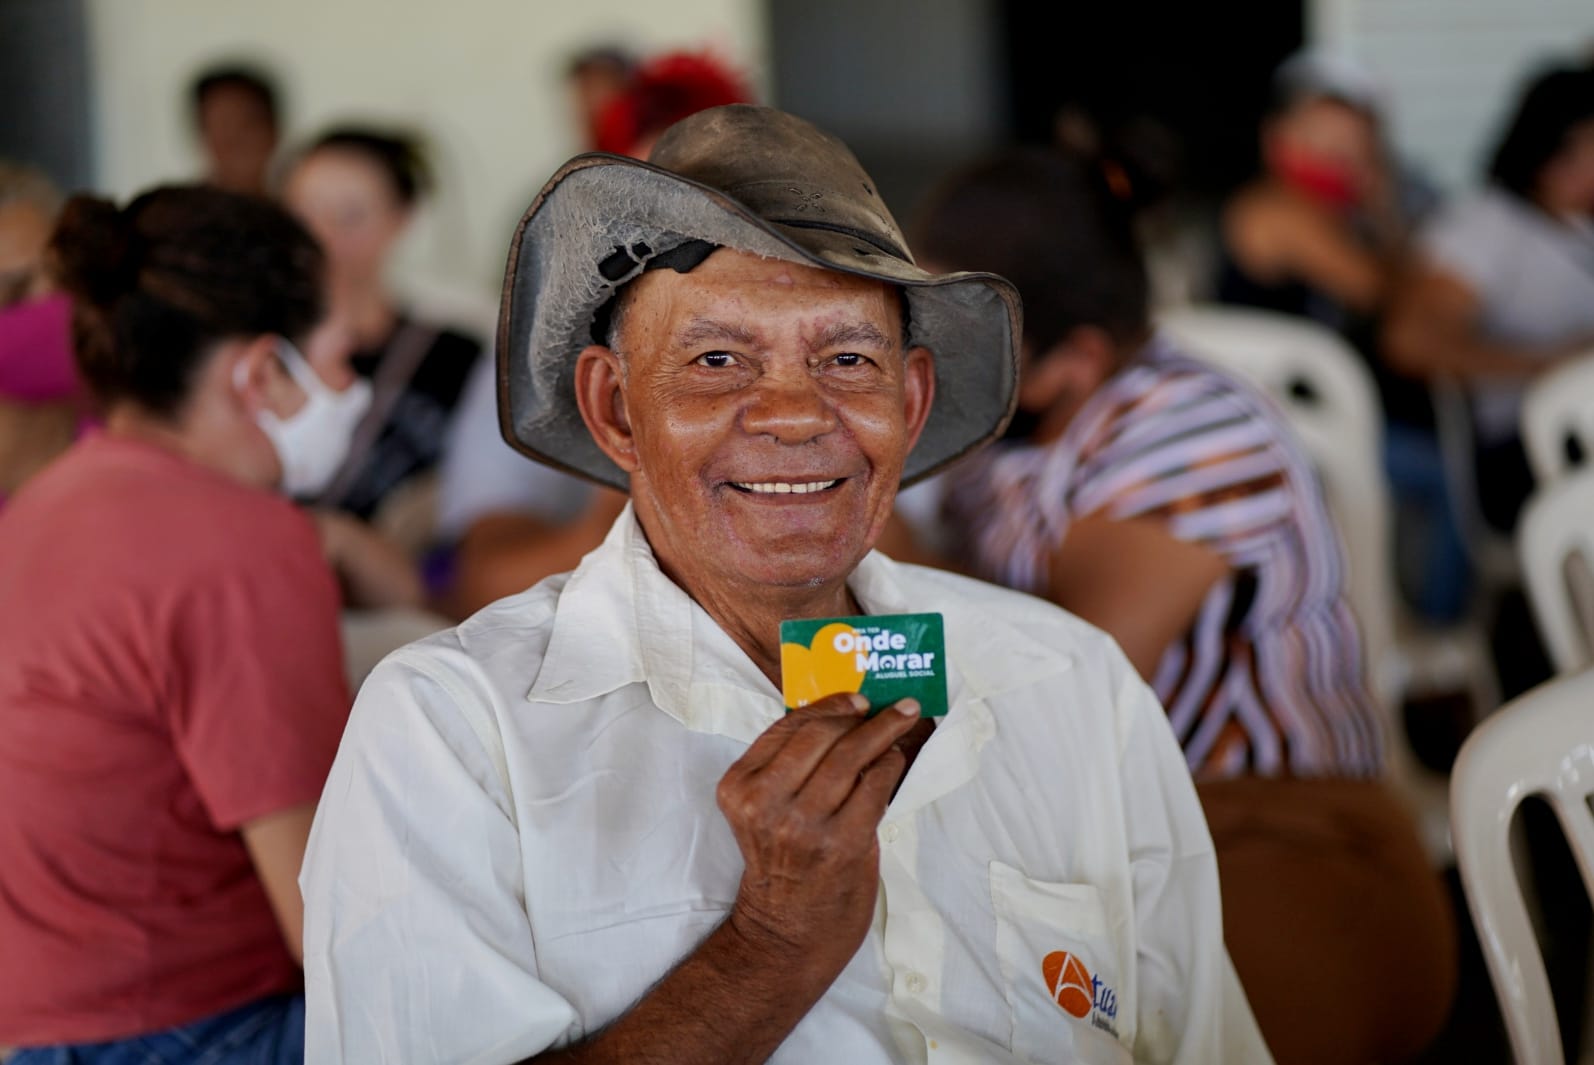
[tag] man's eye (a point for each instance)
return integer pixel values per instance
(851, 358)
(716, 359)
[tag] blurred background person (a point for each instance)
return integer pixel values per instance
(1169, 504)
(663, 90)
(40, 402)
(236, 118)
(1321, 233)
(357, 190)
(1503, 289)
(596, 77)
(1503, 283)
(171, 692)
(1319, 230)
(512, 521)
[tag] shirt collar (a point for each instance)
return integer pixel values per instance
(621, 621)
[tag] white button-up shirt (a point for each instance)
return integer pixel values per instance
(520, 837)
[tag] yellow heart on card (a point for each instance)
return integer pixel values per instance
(810, 673)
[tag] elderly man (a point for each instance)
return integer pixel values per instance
(580, 827)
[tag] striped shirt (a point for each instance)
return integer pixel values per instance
(1268, 679)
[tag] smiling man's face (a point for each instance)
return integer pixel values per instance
(764, 411)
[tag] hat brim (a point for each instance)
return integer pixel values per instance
(598, 205)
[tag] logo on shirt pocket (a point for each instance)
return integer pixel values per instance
(1077, 992)
(1061, 965)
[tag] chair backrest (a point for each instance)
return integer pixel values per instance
(1331, 402)
(1558, 421)
(1539, 744)
(1555, 545)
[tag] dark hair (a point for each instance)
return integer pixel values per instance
(1049, 222)
(1553, 102)
(235, 76)
(158, 283)
(397, 155)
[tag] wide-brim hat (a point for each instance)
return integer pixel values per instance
(760, 181)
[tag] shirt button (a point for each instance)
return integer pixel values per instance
(891, 832)
(916, 984)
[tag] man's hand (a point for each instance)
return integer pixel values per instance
(804, 802)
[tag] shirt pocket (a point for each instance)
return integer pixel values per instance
(1060, 969)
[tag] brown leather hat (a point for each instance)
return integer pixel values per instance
(761, 181)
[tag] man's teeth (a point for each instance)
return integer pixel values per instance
(784, 487)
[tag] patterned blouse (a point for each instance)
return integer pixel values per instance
(1269, 678)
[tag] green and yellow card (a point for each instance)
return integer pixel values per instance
(886, 657)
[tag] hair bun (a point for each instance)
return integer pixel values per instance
(95, 251)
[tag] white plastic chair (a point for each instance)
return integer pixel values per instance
(1539, 744)
(1331, 402)
(1555, 544)
(1558, 421)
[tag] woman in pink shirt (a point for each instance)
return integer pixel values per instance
(171, 687)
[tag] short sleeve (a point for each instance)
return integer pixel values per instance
(417, 943)
(1191, 1006)
(261, 698)
(483, 475)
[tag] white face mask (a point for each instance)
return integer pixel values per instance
(313, 442)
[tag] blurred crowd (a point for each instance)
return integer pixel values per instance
(236, 469)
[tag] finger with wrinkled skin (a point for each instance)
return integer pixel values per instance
(836, 773)
(768, 743)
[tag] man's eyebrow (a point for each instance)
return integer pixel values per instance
(849, 334)
(703, 330)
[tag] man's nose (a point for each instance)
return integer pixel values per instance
(790, 408)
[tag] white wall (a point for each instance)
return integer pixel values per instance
(1453, 67)
(481, 80)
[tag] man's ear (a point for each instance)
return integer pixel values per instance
(918, 388)
(600, 393)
